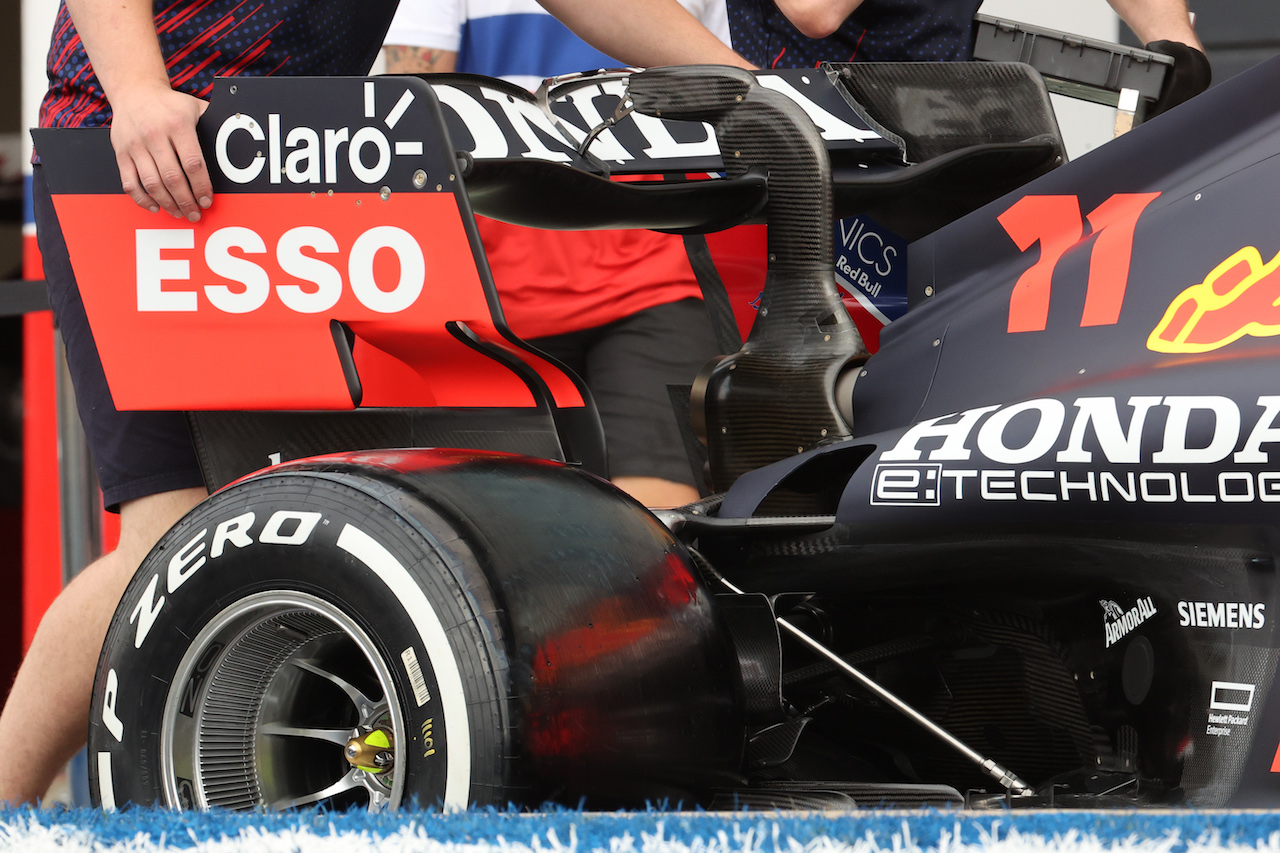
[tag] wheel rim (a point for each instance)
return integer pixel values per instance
(264, 704)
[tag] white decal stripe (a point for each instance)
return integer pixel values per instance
(408, 149)
(398, 110)
(525, 81)
(380, 561)
(856, 292)
(106, 785)
(831, 127)
(368, 99)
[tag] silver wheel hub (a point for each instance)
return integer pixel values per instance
(268, 701)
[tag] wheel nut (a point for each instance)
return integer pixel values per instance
(372, 752)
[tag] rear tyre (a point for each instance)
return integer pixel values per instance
(294, 641)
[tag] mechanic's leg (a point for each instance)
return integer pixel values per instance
(657, 493)
(46, 717)
(627, 371)
(629, 366)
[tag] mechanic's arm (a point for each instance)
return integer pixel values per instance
(1158, 20)
(817, 19)
(644, 32)
(408, 59)
(153, 128)
(1165, 26)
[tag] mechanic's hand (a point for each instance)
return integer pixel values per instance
(1191, 75)
(161, 165)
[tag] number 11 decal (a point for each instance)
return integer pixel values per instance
(1054, 221)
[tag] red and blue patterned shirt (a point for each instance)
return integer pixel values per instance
(878, 31)
(204, 39)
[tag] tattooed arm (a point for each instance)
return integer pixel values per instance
(407, 59)
(643, 32)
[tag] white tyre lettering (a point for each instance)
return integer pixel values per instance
(305, 523)
(233, 530)
(109, 717)
(187, 561)
(106, 785)
(146, 611)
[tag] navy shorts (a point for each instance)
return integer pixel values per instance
(628, 365)
(135, 453)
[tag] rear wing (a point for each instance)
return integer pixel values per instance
(337, 203)
(340, 264)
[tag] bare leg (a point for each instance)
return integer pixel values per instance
(46, 716)
(654, 492)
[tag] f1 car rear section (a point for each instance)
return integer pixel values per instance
(1022, 554)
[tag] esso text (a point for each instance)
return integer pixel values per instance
(313, 269)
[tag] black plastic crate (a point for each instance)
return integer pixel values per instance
(1085, 68)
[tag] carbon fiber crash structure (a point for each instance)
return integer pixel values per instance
(1024, 554)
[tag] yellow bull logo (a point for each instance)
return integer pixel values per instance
(1241, 296)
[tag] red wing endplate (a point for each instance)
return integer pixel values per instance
(340, 243)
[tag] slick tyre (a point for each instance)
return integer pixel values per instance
(300, 639)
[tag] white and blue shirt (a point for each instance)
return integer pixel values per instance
(516, 40)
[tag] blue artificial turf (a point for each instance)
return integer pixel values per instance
(656, 831)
